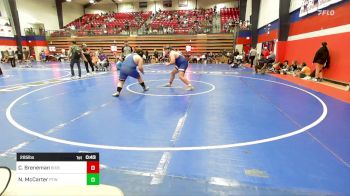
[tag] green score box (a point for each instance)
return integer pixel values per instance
(93, 179)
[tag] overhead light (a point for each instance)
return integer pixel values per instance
(91, 1)
(68, 0)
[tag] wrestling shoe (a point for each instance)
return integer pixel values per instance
(189, 88)
(116, 94)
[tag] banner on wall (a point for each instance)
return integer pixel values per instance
(188, 48)
(52, 48)
(114, 48)
(310, 6)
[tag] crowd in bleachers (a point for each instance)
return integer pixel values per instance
(229, 19)
(181, 21)
(105, 23)
(159, 22)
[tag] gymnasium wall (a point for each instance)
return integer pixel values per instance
(101, 8)
(44, 11)
(243, 38)
(268, 32)
(156, 5)
(7, 42)
(307, 33)
(294, 5)
(268, 12)
(71, 11)
(2, 9)
(268, 23)
(37, 11)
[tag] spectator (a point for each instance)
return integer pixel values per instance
(261, 65)
(156, 55)
(42, 56)
(321, 60)
(25, 54)
(266, 62)
(294, 65)
(278, 66)
(61, 57)
(147, 56)
(211, 57)
(271, 58)
(287, 68)
(19, 55)
(47, 54)
(103, 61)
(236, 53)
(86, 53)
(304, 72)
(265, 52)
(252, 54)
(11, 57)
(94, 59)
(5, 56)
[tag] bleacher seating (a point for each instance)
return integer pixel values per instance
(187, 22)
(228, 18)
(184, 21)
(102, 24)
(200, 43)
(173, 22)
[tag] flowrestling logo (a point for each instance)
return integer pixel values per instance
(326, 12)
(311, 6)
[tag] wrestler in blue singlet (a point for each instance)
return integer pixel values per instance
(131, 68)
(128, 68)
(181, 63)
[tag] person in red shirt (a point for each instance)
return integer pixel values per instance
(266, 52)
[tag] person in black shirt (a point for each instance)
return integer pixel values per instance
(294, 65)
(88, 58)
(74, 55)
(19, 55)
(147, 56)
(321, 60)
(156, 55)
(236, 53)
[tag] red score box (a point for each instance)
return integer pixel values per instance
(93, 167)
